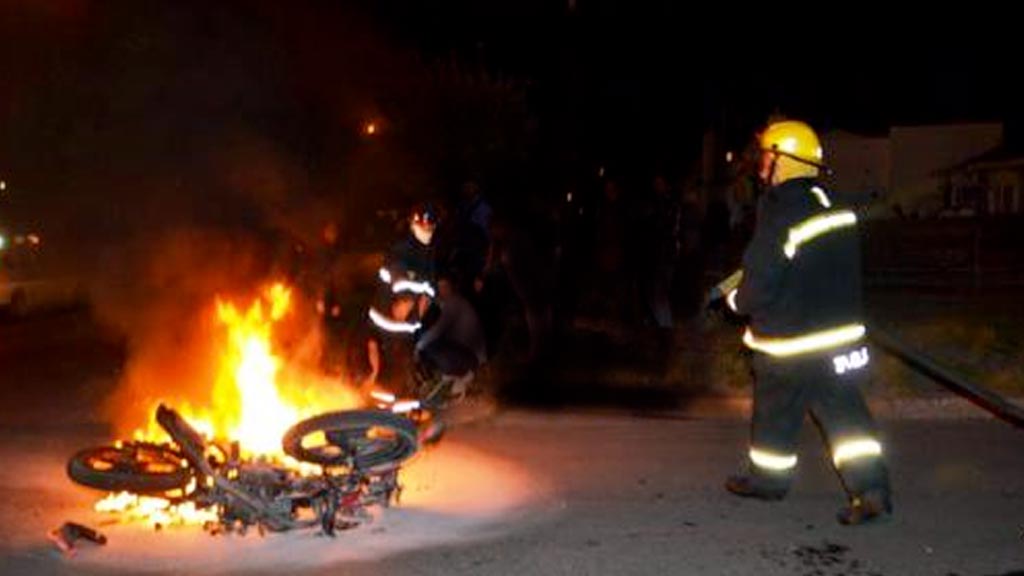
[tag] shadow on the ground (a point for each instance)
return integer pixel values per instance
(634, 371)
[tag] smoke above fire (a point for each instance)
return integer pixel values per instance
(177, 343)
(176, 157)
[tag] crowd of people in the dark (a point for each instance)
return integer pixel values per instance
(623, 253)
(616, 253)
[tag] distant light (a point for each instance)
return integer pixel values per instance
(3, 242)
(568, 198)
(370, 128)
(728, 156)
(34, 239)
(600, 172)
(3, 185)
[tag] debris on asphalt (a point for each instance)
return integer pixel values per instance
(68, 535)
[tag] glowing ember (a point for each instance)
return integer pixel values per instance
(155, 511)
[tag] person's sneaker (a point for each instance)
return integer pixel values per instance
(872, 506)
(747, 487)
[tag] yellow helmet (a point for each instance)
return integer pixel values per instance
(793, 139)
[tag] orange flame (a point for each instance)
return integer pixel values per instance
(255, 398)
(256, 394)
(246, 396)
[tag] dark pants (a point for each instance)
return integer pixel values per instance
(787, 388)
(448, 358)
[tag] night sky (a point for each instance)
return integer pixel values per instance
(685, 66)
(604, 81)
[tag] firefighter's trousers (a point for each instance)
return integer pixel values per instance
(788, 388)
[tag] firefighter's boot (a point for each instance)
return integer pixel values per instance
(748, 486)
(872, 506)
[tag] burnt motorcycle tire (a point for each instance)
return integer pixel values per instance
(139, 468)
(367, 440)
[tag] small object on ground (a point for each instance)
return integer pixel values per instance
(70, 533)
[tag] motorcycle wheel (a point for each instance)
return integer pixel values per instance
(366, 440)
(136, 467)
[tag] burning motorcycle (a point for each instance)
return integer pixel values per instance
(345, 462)
(325, 470)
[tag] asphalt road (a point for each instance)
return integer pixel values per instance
(595, 493)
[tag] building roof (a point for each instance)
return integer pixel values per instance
(1001, 156)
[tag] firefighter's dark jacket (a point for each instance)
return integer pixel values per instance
(411, 260)
(819, 287)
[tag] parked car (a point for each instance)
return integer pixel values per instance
(30, 280)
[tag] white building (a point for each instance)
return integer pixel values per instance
(906, 168)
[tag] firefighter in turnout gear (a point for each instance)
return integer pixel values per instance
(409, 265)
(800, 286)
(404, 296)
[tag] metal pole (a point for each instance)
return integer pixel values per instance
(981, 396)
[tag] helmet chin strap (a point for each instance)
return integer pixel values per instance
(769, 180)
(822, 169)
(776, 154)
